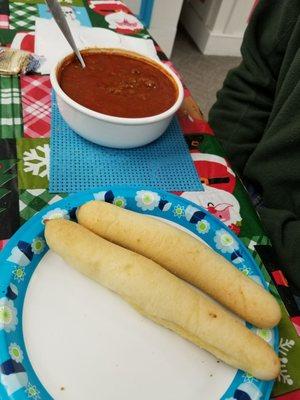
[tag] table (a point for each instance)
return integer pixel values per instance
(25, 109)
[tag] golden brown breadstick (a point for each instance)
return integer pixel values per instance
(162, 297)
(185, 257)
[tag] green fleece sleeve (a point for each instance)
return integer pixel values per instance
(241, 113)
(257, 120)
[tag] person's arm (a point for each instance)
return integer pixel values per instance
(243, 105)
(256, 118)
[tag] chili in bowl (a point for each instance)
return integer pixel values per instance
(121, 99)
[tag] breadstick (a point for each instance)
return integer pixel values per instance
(185, 257)
(162, 297)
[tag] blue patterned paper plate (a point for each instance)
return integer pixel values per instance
(27, 247)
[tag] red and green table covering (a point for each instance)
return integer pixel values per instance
(25, 113)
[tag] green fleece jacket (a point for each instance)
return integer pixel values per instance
(257, 120)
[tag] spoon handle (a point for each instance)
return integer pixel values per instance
(61, 21)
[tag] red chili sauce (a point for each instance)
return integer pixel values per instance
(118, 85)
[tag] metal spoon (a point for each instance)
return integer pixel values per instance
(62, 23)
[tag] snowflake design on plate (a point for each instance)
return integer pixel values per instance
(120, 201)
(36, 161)
(178, 211)
(57, 213)
(147, 200)
(38, 245)
(248, 377)
(225, 242)
(8, 315)
(203, 226)
(246, 270)
(32, 392)
(15, 352)
(19, 273)
(265, 334)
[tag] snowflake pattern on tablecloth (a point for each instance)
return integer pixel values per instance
(36, 160)
(33, 163)
(285, 345)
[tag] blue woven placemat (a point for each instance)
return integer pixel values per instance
(77, 164)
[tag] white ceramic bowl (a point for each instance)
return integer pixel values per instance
(113, 131)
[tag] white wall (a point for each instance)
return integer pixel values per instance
(217, 26)
(164, 20)
(134, 5)
(164, 23)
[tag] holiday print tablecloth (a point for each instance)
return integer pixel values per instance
(25, 110)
